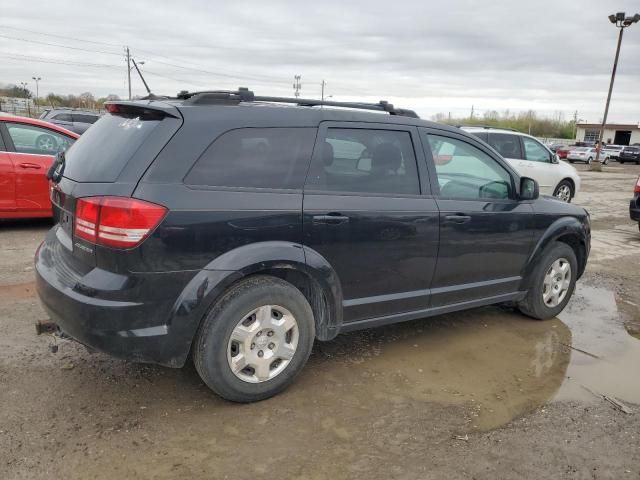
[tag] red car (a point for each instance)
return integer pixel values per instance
(563, 151)
(27, 150)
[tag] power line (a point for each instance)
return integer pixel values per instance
(59, 45)
(58, 62)
(60, 36)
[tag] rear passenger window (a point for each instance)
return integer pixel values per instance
(506, 145)
(365, 161)
(255, 158)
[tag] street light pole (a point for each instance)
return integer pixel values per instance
(37, 79)
(621, 21)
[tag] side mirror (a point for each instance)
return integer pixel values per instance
(555, 158)
(529, 189)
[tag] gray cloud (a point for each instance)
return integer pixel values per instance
(550, 56)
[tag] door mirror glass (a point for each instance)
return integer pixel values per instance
(529, 189)
(555, 158)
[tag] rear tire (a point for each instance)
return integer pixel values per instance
(589, 161)
(243, 321)
(550, 284)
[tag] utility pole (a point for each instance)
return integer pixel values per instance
(297, 85)
(621, 21)
(128, 69)
(37, 79)
(322, 85)
(575, 124)
(471, 117)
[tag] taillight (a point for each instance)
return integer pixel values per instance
(637, 187)
(119, 222)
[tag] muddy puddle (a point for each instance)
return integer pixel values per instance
(495, 364)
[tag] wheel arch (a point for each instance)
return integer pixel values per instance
(567, 230)
(303, 268)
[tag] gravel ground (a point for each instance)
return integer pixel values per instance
(479, 394)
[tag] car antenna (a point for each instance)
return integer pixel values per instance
(142, 78)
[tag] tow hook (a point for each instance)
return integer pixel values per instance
(52, 329)
(46, 327)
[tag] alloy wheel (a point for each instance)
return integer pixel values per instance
(556, 283)
(262, 344)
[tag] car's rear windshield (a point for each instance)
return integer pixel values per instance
(104, 150)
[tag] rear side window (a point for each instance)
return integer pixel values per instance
(255, 158)
(104, 150)
(37, 140)
(506, 145)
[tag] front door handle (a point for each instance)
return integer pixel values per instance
(330, 219)
(457, 218)
(34, 166)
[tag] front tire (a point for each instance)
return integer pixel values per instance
(589, 161)
(255, 339)
(564, 191)
(551, 283)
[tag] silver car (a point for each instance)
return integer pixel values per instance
(586, 155)
(613, 150)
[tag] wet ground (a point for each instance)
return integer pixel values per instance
(486, 393)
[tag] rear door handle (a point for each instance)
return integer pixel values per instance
(330, 219)
(34, 166)
(457, 218)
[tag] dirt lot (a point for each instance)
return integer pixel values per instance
(481, 394)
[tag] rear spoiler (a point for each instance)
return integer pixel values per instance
(145, 109)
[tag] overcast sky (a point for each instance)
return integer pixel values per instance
(552, 56)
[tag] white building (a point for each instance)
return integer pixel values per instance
(616, 133)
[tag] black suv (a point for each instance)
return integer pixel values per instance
(237, 229)
(630, 154)
(77, 121)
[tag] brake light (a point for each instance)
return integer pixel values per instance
(118, 222)
(637, 187)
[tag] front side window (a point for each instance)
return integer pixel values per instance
(365, 161)
(466, 172)
(506, 145)
(534, 151)
(255, 158)
(37, 140)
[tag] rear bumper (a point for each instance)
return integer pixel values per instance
(634, 209)
(128, 316)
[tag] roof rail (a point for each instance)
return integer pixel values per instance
(245, 95)
(488, 127)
